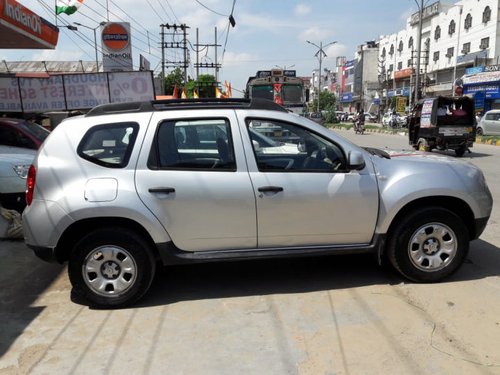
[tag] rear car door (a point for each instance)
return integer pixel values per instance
(305, 195)
(195, 180)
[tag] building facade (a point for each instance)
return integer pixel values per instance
(454, 38)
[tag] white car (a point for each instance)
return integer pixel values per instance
(130, 186)
(14, 166)
(489, 123)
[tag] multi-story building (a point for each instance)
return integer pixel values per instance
(454, 38)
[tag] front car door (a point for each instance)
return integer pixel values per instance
(305, 195)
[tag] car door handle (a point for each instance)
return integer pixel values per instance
(270, 189)
(164, 190)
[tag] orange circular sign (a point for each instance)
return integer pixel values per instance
(115, 36)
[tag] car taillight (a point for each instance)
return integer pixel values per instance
(30, 184)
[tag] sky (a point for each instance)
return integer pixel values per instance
(267, 33)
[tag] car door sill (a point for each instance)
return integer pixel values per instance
(170, 254)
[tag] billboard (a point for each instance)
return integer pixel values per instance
(116, 47)
(74, 91)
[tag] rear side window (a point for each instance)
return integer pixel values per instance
(199, 144)
(109, 145)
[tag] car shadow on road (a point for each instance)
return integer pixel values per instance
(299, 275)
(23, 279)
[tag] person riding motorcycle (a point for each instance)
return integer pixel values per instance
(359, 123)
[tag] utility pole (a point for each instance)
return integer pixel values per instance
(320, 54)
(178, 45)
(212, 65)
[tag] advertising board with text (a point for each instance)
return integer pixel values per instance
(74, 91)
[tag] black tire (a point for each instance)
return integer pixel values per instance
(479, 132)
(460, 151)
(118, 260)
(439, 250)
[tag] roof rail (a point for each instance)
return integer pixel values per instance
(175, 104)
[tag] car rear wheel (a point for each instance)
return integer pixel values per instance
(428, 245)
(479, 132)
(111, 267)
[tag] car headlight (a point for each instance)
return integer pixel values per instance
(22, 170)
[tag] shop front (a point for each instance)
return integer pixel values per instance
(483, 83)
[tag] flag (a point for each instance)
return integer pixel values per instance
(229, 93)
(68, 6)
(175, 94)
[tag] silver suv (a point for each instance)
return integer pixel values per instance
(131, 185)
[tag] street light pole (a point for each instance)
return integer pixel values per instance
(94, 29)
(320, 54)
(419, 48)
(457, 51)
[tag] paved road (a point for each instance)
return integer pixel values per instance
(335, 315)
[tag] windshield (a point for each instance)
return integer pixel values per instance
(264, 92)
(292, 93)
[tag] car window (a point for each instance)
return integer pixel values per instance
(293, 148)
(201, 144)
(36, 130)
(13, 137)
(109, 145)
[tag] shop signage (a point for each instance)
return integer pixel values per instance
(484, 77)
(404, 73)
(73, 91)
(428, 11)
(472, 56)
(116, 47)
(28, 29)
(346, 97)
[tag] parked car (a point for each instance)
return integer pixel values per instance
(489, 123)
(14, 166)
(121, 196)
(371, 117)
(21, 133)
(398, 121)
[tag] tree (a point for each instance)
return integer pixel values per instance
(327, 101)
(205, 86)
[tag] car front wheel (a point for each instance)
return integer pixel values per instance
(428, 245)
(111, 268)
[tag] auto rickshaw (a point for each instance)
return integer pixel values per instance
(443, 123)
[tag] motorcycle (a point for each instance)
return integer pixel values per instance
(359, 127)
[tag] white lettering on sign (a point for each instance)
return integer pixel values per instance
(31, 21)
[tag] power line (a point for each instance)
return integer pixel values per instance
(211, 10)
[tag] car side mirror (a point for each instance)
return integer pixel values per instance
(355, 160)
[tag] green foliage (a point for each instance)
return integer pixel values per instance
(206, 86)
(327, 102)
(176, 77)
